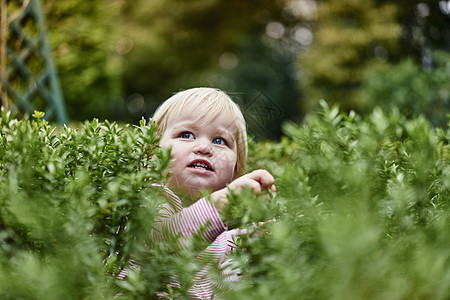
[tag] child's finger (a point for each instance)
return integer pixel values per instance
(254, 185)
(265, 179)
(238, 184)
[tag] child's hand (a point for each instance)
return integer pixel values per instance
(258, 181)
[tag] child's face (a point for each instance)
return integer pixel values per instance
(204, 153)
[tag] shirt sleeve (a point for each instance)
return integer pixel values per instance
(201, 217)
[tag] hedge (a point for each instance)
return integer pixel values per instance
(361, 212)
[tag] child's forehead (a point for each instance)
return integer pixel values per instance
(198, 117)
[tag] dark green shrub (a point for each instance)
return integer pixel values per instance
(362, 212)
(75, 205)
(412, 89)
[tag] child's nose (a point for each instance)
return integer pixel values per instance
(203, 147)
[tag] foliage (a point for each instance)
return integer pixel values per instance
(71, 198)
(83, 34)
(425, 27)
(351, 38)
(361, 212)
(120, 59)
(222, 44)
(412, 89)
(364, 211)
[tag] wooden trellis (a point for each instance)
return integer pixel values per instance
(28, 78)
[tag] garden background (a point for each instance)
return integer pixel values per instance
(347, 104)
(118, 60)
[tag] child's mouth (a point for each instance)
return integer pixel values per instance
(201, 165)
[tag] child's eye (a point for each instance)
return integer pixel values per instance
(219, 141)
(186, 135)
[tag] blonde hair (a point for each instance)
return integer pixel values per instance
(211, 103)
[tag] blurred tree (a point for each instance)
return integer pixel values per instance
(426, 26)
(349, 38)
(173, 45)
(353, 37)
(82, 34)
(120, 59)
(411, 89)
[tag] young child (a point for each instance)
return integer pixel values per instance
(207, 135)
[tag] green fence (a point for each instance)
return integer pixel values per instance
(27, 72)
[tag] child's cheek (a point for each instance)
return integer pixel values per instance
(226, 165)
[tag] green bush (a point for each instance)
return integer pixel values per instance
(364, 211)
(411, 88)
(74, 204)
(361, 212)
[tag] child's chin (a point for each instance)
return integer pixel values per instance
(199, 186)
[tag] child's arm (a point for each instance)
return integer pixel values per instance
(204, 214)
(176, 220)
(257, 180)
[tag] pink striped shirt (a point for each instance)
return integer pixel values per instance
(188, 221)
